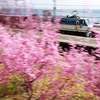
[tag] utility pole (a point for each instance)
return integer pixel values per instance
(54, 8)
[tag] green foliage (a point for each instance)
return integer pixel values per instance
(13, 90)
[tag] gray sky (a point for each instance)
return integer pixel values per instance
(66, 3)
(60, 4)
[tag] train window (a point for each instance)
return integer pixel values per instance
(88, 21)
(82, 22)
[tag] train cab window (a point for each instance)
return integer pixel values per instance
(83, 22)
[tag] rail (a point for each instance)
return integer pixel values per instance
(91, 42)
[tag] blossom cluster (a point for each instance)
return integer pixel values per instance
(33, 67)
